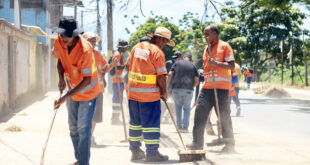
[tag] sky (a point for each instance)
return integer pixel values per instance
(167, 8)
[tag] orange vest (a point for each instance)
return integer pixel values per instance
(247, 73)
(145, 63)
(78, 64)
(120, 72)
(100, 63)
(232, 90)
(221, 52)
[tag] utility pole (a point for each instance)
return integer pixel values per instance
(99, 27)
(17, 16)
(110, 27)
(75, 9)
(269, 72)
(292, 60)
(305, 58)
(82, 19)
(282, 56)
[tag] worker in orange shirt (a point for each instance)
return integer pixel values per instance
(102, 68)
(236, 97)
(147, 84)
(116, 104)
(222, 60)
(248, 76)
(76, 63)
(232, 90)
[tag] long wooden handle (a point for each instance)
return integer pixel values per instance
(121, 102)
(48, 135)
(219, 124)
(175, 126)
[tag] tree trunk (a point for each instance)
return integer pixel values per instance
(292, 61)
(282, 56)
(305, 60)
(268, 63)
(110, 27)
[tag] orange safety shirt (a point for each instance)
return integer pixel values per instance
(145, 63)
(100, 63)
(119, 73)
(78, 64)
(247, 73)
(238, 70)
(221, 52)
(232, 90)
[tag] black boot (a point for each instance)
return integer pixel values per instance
(137, 154)
(157, 158)
(195, 146)
(228, 149)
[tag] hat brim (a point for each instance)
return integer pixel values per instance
(97, 38)
(170, 43)
(123, 46)
(63, 32)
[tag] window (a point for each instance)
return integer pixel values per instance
(1, 3)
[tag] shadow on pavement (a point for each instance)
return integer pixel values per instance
(164, 162)
(301, 106)
(223, 153)
(18, 152)
(21, 103)
(206, 162)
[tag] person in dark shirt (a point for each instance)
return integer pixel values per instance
(176, 57)
(183, 77)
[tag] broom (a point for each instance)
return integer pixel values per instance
(121, 104)
(48, 135)
(187, 155)
(220, 140)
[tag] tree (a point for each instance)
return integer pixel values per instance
(150, 26)
(264, 28)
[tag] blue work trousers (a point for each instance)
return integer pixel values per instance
(144, 120)
(80, 123)
(116, 103)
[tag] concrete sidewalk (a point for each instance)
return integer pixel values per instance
(254, 145)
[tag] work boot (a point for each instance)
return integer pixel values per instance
(184, 130)
(228, 149)
(238, 111)
(116, 122)
(157, 158)
(194, 146)
(137, 154)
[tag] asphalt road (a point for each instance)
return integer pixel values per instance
(269, 131)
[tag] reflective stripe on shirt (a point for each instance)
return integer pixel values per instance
(90, 86)
(144, 90)
(218, 79)
(142, 78)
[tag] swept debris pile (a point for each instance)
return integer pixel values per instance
(13, 128)
(271, 91)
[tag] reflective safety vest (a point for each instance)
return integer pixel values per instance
(119, 72)
(78, 64)
(145, 63)
(232, 90)
(100, 63)
(221, 52)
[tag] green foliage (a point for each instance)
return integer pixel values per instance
(150, 26)
(254, 30)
